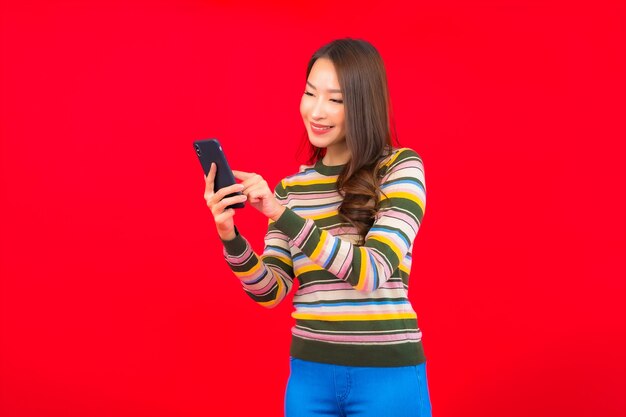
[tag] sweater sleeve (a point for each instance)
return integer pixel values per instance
(390, 239)
(269, 278)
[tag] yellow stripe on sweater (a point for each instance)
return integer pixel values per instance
(311, 182)
(249, 272)
(363, 271)
(389, 243)
(285, 259)
(323, 215)
(309, 268)
(354, 317)
(280, 285)
(320, 244)
(394, 157)
(405, 195)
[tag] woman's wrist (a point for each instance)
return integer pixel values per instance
(276, 215)
(229, 235)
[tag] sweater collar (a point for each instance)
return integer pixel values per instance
(328, 169)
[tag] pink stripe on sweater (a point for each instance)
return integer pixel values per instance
(318, 196)
(401, 216)
(347, 263)
(341, 311)
(304, 233)
(411, 163)
(239, 260)
(324, 287)
(385, 273)
(343, 286)
(261, 291)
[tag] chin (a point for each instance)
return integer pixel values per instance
(322, 142)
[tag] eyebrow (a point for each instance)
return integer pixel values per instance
(330, 90)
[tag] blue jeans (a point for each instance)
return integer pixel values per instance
(320, 389)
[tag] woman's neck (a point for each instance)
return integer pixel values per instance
(338, 154)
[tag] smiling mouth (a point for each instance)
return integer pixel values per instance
(320, 128)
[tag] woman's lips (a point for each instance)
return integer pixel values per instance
(320, 129)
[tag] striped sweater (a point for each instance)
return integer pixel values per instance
(351, 307)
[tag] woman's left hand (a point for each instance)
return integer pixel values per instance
(259, 194)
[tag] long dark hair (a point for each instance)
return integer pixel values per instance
(368, 126)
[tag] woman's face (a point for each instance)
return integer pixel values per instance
(322, 106)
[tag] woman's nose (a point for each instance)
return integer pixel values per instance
(318, 110)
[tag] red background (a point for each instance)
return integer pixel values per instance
(115, 298)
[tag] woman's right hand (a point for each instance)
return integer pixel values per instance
(217, 203)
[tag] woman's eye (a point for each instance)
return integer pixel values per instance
(336, 100)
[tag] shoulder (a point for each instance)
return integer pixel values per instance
(401, 157)
(403, 183)
(304, 168)
(304, 173)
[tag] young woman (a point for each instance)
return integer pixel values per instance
(344, 226)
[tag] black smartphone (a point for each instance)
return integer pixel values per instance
(210, 150)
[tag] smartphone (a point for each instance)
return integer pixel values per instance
(210, 150)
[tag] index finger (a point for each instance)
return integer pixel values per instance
(210, 177)
(241, 175)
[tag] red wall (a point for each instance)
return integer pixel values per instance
(115, 298)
